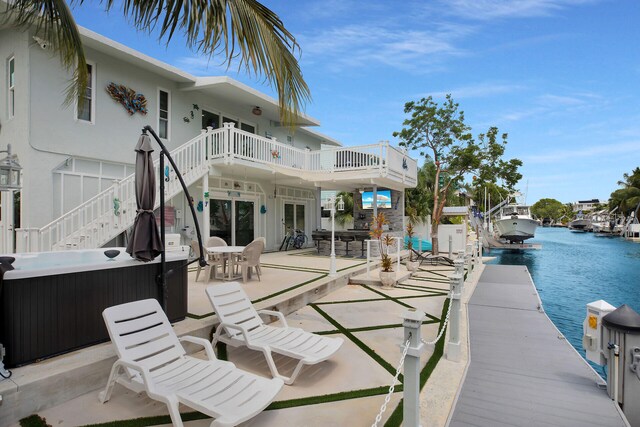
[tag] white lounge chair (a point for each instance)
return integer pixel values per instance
(152, 359)
(241, 325)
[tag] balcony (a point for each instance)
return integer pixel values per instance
(379, 164)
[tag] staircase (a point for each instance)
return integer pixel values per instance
(107, 215)
(111, 212)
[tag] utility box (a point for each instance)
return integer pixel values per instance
(172, 242)
(458, 232)
(592, 339)
(622, 331)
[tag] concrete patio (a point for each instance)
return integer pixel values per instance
(346, 390)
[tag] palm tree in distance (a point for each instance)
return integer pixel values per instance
(242, 30)
(627, 198)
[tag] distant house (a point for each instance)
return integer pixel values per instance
(585, 205)
(249, 176)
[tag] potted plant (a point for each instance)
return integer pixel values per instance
(387, 275)
(411, 264)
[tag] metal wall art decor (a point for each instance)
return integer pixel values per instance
(186, 118)
(132, 102)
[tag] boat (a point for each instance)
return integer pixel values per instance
(580, 223)
(515, 223)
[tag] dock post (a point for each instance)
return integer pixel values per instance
(412, 321)
(476, 253)
(450, 246)
(456, 282)
(458, 263)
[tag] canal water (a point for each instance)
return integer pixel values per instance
(574, 269)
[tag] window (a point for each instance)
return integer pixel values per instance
(247, 127)
(11, 81)
(164, 101)
(86, 112)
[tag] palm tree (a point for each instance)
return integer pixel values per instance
(242, 30)
(628, 197)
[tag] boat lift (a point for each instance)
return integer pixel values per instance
(489, 242)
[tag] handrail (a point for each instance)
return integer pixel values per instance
(110, 212)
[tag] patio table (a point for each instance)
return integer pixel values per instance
(228, 252)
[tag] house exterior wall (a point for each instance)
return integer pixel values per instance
(45, 133)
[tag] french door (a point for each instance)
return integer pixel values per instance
(233, 220)
(294, 217)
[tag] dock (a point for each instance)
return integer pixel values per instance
(522, 371)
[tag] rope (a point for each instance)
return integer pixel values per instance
(444, 327)
(393, 384)
(383, 408)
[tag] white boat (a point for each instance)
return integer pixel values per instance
(515, 223)
(580, 223)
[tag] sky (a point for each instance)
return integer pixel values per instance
(561, 77)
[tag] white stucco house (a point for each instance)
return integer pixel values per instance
(249, 176)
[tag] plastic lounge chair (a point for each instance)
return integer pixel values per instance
(432, 259)
(241, 325)
(152, 359)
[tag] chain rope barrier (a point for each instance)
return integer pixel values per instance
(383, 408)
(393, 384)
(444, 326)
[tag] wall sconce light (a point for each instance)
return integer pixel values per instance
(257, 111)
(10, 171)
(361, 190)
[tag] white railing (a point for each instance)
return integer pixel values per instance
(105, 216)
(109, 213)
(381, 159)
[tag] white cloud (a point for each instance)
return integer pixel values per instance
(366, 45)
(484, 10)
(630, 148)
(479, 90)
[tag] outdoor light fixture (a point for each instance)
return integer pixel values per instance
(333, 203)
(9, 171)
(257, 111)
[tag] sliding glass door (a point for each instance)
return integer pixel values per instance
(232, 220)
(244, 220)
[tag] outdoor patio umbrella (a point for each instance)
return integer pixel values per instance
(144, 242)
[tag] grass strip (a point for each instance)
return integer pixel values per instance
(375, 356)
(395, 420)
(335, 397)
(290, 268)
(202, 316)
(322, 276)
(397, 301)
(34, 421)
(416, 288)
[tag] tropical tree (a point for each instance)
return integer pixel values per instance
(419, 200)
(440, 134)
(345, 216)
(238, 30)
(627, 198)
(548, 208)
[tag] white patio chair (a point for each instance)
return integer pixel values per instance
(250, 258)
(152, 359)
(214, 260)
(241, 325)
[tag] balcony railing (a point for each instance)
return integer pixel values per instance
(106, 215)
(381, 159)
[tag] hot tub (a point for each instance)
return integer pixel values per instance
(52, 302)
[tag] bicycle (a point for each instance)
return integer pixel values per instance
(300, 240)
(297, 240)
(287, 239)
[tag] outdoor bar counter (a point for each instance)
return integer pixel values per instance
(356, 237)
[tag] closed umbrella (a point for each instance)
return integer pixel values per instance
(145, 243)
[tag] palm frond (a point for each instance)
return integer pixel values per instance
(241, 30)
(52, 21)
